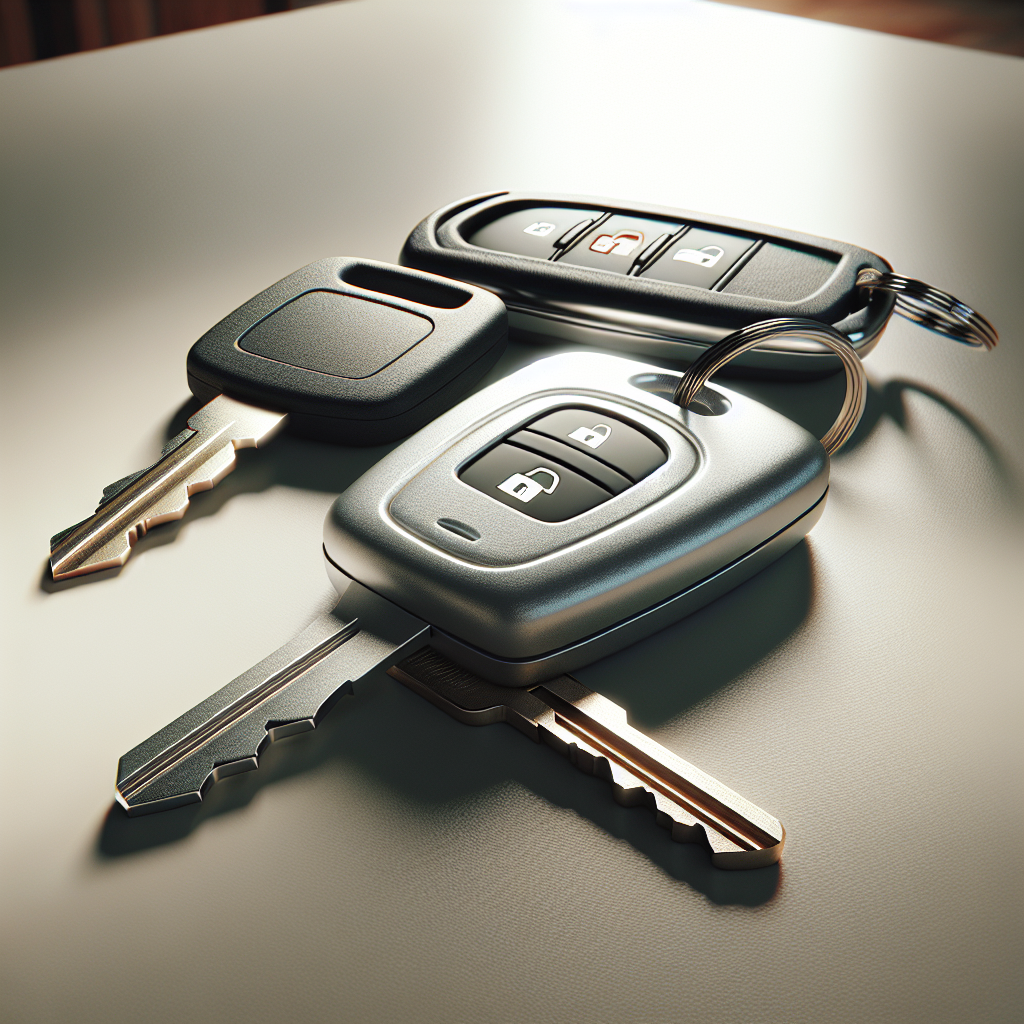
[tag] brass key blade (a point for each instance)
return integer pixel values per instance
(593, 732)
(162, 492)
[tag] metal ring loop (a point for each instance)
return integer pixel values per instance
(931, 308)
(722, 352)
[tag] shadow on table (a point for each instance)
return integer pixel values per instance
(815, 404)
(390, 737)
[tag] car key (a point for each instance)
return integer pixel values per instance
(346, 350)
(553, 518)
(664, 282)
(593, 733)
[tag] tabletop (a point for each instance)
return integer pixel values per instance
(866, 689)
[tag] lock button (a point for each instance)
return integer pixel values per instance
(700, 257)
(532, 484)
(620, 445)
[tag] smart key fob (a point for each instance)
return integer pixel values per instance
(652, 280)
(573, 508)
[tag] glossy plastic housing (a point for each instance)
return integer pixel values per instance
(356, 351)
(556, 300)
(518, 600)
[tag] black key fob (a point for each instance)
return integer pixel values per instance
(652, 280)
(355, 351)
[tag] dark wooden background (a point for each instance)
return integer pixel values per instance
(39, 29)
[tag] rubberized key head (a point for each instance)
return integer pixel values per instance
(356, 351)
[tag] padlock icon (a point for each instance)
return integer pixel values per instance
(621, 244)
(706, 257)
(525, 488)
(592, 437)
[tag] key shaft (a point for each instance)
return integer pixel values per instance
(286, 693)
(594, 734)
(161, 493)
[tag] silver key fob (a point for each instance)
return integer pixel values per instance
(572, 509)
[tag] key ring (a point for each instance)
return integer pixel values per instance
(931, 308)
(724, 351)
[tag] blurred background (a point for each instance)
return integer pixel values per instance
(41, 29)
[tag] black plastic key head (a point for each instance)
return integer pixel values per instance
(355, 351)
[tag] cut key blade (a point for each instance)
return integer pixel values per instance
(695, 807)
(195, 461)
(286, 693)
(593, 733)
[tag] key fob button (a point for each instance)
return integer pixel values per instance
(781, 272)
(620, 445)
(700, 257)
(529, 483)
(589, 467)
(616, 243)
(532, 232)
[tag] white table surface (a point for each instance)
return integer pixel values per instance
(398, 866)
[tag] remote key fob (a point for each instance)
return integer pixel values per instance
(652, 280)
(573, 508)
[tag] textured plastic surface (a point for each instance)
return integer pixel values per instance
(667, 306)
(354, 350)
(517, 590)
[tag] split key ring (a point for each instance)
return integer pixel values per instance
(724, 351)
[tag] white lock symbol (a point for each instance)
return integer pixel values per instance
(525, 488)
(592, 437)
(706, 257)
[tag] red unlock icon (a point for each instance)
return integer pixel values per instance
(621, 244)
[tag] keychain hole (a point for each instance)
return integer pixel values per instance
(707, 402)
(405, 286)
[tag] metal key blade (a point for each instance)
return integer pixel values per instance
(593, 732)
(286, 693)
(161, 493)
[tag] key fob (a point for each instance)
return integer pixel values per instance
(652, 280)
(571, 509)
(355, 351)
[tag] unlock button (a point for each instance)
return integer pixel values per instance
(532, 484)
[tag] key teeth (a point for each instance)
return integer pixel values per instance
(272, 732)
(223, 425)
(111, 491)
(212, 471)
(172, 506)
(58, 537)
(629, 791)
